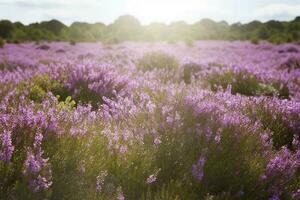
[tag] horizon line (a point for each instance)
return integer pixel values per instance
(153, 22)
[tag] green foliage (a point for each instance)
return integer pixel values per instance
(276, 39)
(14, 183)
(69, 103)
(274, 121)
(111, 40)
(128, 28)
(168, 191)
(53, 26)
(2, 43)
(158, 60)
(263, 33)
(230, 166)
(88, 96)
(7, 66)
(16, 41)
(242, 83)
(35, 34)
(189, 70)
(254, 41)
(6, 29)
(19, 35)
(189, 42)
(84, 32)
(125, 28)
(72, 42)
(233, 165)
(39, 86)
(74, 168)
(282, 90)
(246, 84)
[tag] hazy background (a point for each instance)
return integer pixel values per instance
(148, 11)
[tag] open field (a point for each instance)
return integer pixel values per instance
(205, 120)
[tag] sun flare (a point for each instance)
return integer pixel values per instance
(168, 10)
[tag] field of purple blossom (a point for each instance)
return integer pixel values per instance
(152, 121)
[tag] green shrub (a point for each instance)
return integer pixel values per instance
(276, 39)
(74, 172)
(2, 43)
(44, 47)
(289, 39)
(246, 84)
(273, 120)
(189, 42)
(8, 66)
(189, 70)
(16, 41)
(87, 96)
(292, 63)
(242, 83)
(171, 41)
(39, 86)
(254, 41)
(72, 42)
(158, 60)
(282, 90)
(111, 40)
(232, 165)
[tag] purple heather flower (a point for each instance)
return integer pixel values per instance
(197, 169)
(218, 138)
(40, 183)
(296, 194)
(151, 107)
(7, 147)
(151, 179)
(32, 163)
(275, 196)
(120, 195)
(123, 149)
(157, 141)
(100, 181)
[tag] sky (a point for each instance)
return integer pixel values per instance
(147, 11)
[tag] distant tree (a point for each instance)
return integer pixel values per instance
(126, 28)
(297, 19)
(53, 26)
(263, 33)
(2, 43)
(79, 31)
(179, 31)
(294, 26)
(35, 34)
(209, 29)
(235, 31)
(155, 32)
(6, 28)
(252, 26)
(295, 36)
(20, 35)
(18, 25)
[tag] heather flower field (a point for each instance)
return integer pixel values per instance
(208, 120)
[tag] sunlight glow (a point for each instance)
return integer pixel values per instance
(170, 10)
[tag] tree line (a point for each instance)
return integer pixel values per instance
(128, 28)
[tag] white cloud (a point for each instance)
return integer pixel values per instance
(48, 4)
(275, 10)
(64, 10)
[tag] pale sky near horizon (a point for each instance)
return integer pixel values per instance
(147, 11)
